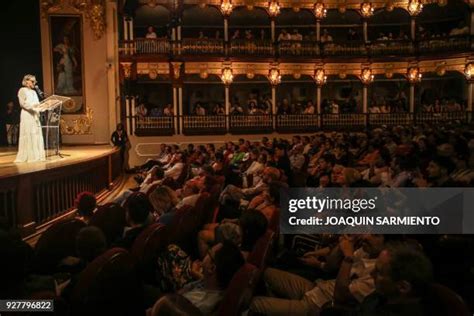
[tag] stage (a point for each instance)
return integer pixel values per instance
(71, 155)
(34, 194)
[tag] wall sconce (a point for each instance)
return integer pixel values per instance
(414, 75)
(469, 71)
(320, 77)
(226, 7)
(319, 10)
(127, 69)
(274, 76)
(366, 76)
(227, 77)
(274, 9)
(366, 9)
(414, 7)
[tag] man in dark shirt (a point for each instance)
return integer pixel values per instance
(138, 217)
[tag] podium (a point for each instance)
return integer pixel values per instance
(50, 117)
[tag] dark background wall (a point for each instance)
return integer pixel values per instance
(21, 50)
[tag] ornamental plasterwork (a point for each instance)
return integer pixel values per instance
(78, 126)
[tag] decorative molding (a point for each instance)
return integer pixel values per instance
(78, 126)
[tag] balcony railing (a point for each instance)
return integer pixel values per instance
(154, 126)
(191, 46)
(299, 48)
(252, 47)
(267, 48)
(293, 123)
(157, 46)
(204, 125)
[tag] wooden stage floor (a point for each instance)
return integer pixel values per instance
(71, 155)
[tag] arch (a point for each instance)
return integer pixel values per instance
(437, 20)
(241, 17)
(451, 86)
(243, 89)
(158, 16)
(297, 91)
(208, 19)
(208, 92)
(338, 23)
(347, 93)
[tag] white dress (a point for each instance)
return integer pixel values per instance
(30, 144)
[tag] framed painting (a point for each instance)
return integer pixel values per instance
(67, 61)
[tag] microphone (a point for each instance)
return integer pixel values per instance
(40, 93)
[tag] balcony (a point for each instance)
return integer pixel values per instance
(292, 49)
(294, 123)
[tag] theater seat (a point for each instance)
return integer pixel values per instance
(110, 218)
(108, 286)
(262, 250)
(146, 247)
(56, 243)
(240, 291)
(174, 305)
(184, 229)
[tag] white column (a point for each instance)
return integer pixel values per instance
(413, 28)
(318, 103)
(364, 103)
(227, 108)
(179, 32)
(175, 110)
(112, 64)
(412, 98)
(125, 29)
(127, 114)
(318, 30)
(173, 34)
(226, 29)
(273, 29)
(180, 103)
(132, 104)
(130, 28)
(470, 91)
(274, 109)
(366, 36)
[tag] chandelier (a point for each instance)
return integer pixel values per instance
(414, 75)
(366, 76)
(366, 9)
(414, 7)
(227, 76)
(319, 10)
(320, 77)
(226, 7)
(274, 8)
(274, 76)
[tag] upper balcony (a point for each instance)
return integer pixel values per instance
(227, 29)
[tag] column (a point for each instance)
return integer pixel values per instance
(366, 37)
(125, 36)
(412, 98)
(413, 28)
(318, 30)
(226, 29)
(274, 108)
(273, 29)
(364, 103)
(133, 105)
(175, 110)
(227, 108)
(180, 103)
(318, 104)
(127, 114)
(470, 91)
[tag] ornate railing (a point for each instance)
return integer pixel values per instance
(162, 125)
(193, 46)
(293, 123)
(159, 46)
(203, 125)
(267, 48)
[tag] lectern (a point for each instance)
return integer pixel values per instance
(51, 108)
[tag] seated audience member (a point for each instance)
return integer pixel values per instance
(268, 202)
(164, 201)
(438, 173)
(86, 206)
(218, 267)
(155, 178)
(175, 166)
(138, 214)
(303, 297)
(402, 276)
(253, 225)
(189, 194)
(173, 305)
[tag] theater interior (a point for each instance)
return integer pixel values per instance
(177, 133)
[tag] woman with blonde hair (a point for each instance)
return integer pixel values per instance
(164, 202)
(30, 144)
